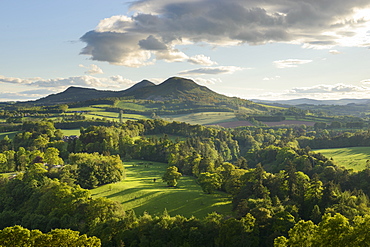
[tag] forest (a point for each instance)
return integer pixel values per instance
(283, 193)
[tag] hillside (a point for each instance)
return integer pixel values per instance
(74, 94)
(173, 89)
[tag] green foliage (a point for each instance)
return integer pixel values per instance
(171, 176)
(95, 169)
(209, 182)
(19, 236)
(331, 231)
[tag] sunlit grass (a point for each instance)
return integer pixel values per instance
(87, 109)
(202, 117)
(71, 132)
(10, 134)
(139, 192)
(132, 106)
(351, 158)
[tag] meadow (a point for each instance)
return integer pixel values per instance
(206, 118)
(351, 158)
(10, 134)
(140, 192)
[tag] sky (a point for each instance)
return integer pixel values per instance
(252, 49)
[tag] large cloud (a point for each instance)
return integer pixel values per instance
(158, 27)
(84, 81)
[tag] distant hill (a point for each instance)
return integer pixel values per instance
(306, 101)
(73, 94)
(79, 94)
(142, 84)
(175, 88)
(172, 88)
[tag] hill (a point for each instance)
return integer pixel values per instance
(174, 88)
(73, 94)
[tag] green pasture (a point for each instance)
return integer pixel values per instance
(85, 109)
(71, 132)
(10, 134)
(202, 117)
(272, 107)
(351, 158)
(132, 106)
(101, 106)
(139, 192)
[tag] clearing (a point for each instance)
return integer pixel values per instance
(139, 192)
(351, 158)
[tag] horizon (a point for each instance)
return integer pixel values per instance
(255, 100)
(275, 50)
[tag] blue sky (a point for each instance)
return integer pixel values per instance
(272, 49)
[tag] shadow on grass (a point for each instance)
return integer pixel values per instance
(141, 193)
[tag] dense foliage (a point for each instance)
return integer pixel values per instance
(278, 184)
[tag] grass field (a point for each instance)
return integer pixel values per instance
(133, 106)
(352, 158)
(202, 117)
(139, 192)
(71, 132)
(9, 134)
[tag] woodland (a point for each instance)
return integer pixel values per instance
(282, 192)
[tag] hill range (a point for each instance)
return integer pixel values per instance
(172, 88)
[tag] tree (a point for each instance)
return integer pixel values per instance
(171, 176)
(63, 107)
(209, 182)
(52, 156)
(19, 236)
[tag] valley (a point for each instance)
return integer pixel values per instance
(176, 157)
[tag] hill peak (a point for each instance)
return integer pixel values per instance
(142, 84)
(179, 80)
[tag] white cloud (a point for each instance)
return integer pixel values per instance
(25, 95)
(206, 82)
(173, 55)
(157, 27)
(92, 70)
(337, 88)
(320, 92)
(201, 60)
(271, 78)
(85, 81)
(334, 52)
(15, 80)
(212, 70)
(367, 81)
(290, 63)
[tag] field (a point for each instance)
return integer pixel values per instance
(351, 158)
(71, 132)
(206, 118)
(139, 192)
(9, 134)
